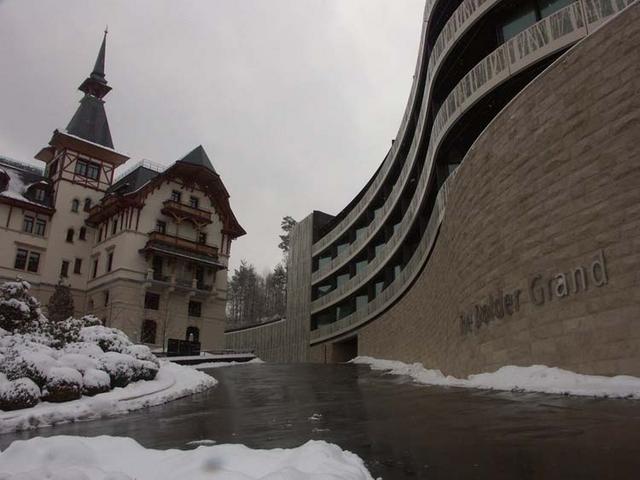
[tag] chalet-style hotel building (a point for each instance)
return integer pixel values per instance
(503, 225)
(147, 252)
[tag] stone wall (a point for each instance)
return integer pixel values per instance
(549, 192)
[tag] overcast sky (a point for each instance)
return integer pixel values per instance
(295, 101)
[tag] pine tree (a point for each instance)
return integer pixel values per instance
(60, 306)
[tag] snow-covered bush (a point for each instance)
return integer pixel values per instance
(19, 311)
(29, 364)
(63, 384)
(122, 368)
(108, 339)
(142, 352)
(78, 361)
(19, 393)
(62, 360)
(84, 348)
(95, 381)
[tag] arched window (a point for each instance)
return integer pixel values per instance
(193, 334)
(70, 234)
(87, 204)
(148, 332)
(75, 205)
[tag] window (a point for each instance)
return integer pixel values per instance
(87, 169)
(70, 234)
(106, 298)
(176, 196)
(194, 202)
(34, 260)
(39, 195)
(87, 204)
(64, 269)
(521, 19)
(94, 273)
(195, 309)
(161, 227)
(27, 260)
(148, 331)
(82, 235)
(75, 205)
(41, 227)
(151, 301)
(547, 7)
(21, 259)
(77, 266)
(53, 168)
(192, 334)
(202, 237)
(27, 224)
(114, 227)
(100, 234)
(109, 261)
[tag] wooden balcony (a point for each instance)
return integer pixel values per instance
(181, 211)
(181, 246)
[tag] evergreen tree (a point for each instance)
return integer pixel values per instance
(287, 225)
(60, 306)
(19, 311)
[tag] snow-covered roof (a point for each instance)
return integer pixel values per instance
(21, 178)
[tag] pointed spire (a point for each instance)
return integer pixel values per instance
(96, 84)
(98, 69)
(90, 120)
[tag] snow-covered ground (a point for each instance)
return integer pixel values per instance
(172, 381)
(536, 378)
(117, 458)
(223, 364)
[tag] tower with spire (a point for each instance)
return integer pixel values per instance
(83, 153)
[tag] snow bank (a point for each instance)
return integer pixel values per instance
(102, 458)
(201, 366)
(172, 381)
(536, 378)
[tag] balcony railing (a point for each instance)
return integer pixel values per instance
(180, 210)
(174, 280)
(159, 238)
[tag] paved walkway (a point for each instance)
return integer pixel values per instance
(402, 430)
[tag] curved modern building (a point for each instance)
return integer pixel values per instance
(503, 225)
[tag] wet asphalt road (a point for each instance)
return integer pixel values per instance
(402, 430)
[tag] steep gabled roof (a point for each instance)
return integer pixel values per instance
(198, 157)
(17, 183)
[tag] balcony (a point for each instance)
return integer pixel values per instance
(181, 211)
(177, 282)
(171, 246)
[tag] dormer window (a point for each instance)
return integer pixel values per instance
(87, 169)
(39, 195)
(75, 205)
(176, 196)
(194, 202)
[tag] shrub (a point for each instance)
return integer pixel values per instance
(63, 384)
(121, 368)
(19, 311)
(78, 361)
(19, 393)
(145, 370)
(142, 352)
(60, 306)
(108, 339)
(32, 365)
(95, 382)
(84, 348)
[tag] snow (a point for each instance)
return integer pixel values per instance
(78, 361)
(93, 378)
(173, 381)
(118, 458)
(224, 364)
(535, 378)
(57, 375)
